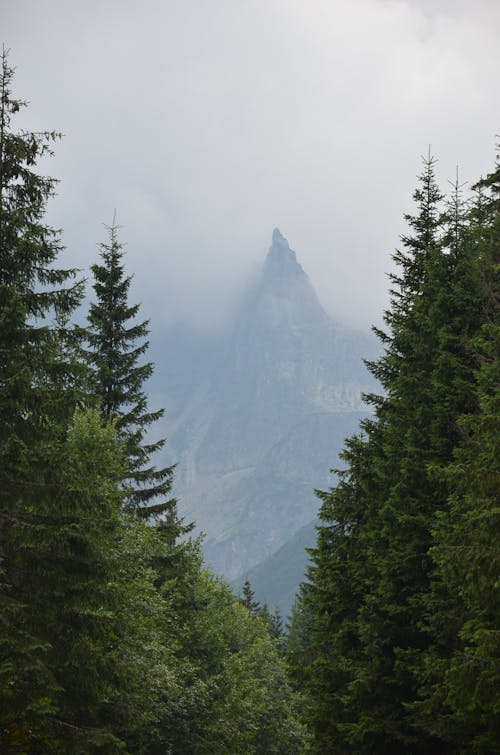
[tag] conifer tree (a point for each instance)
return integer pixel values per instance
(117, 343)
(371, 568)
(461, 681)
(248, 598)
(38, 391)
(36, 297)
(276, 624)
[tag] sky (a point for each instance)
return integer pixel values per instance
(207, 123)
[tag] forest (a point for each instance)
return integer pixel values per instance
(115, 637)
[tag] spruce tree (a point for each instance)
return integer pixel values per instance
(39, 386)
(461, 682)
(117, 343)
(248, 598)
(276, 624)
(36, 297)
(371, 568)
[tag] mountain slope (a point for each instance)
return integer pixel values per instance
(264, 415)
(275, 580)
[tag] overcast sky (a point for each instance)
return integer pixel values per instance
(206, 123)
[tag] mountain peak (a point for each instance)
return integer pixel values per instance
(281, 261)
(279, 240)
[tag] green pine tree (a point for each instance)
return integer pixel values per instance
(38, 391)
(276, 624)
(371, 568)
(461, 680)
(248, 599)
(117, 344)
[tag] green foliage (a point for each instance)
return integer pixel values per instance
(383, 615)
(116, 346)
(38, 390)
(242, 699)
(248, 598)
(462, 685)
(113, 638)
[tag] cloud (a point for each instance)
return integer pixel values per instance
(207, 123)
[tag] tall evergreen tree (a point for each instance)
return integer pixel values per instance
(117, 343)
(38, 390)
(36, 297)
(371, 568)
(462, 680)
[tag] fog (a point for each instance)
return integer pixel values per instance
(206, 123)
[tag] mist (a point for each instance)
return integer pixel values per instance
(206, 124)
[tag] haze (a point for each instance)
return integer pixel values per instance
(206, 123)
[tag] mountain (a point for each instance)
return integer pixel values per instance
(276, 579)
(257, 418)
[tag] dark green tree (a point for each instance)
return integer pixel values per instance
(238, 696)
(38, 391)
(372, 570)
(248, 598)
(462, 681)
(276, 624)
(113, 638)
(117, 343)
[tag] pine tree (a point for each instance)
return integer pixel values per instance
(38, 391)
(35, 297)
(371, 568)
(248, 598)
(276, 624)
(116, 347)
(272, 620)
(462, 680)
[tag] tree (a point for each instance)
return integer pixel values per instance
(38, 389)
(107, 667)
(276, 624)
(239, 698)
(248, 598)
(371, 571)
(298, 637)
(115, 350)
(462, 678)
(113, 638)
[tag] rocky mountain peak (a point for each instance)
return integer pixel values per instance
(260, 425)
(284, 297)
(281, 261)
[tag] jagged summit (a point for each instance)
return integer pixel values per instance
(284, 297)
(281, 261)
(280, 242)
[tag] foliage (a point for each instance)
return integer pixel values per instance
(462, 701)
(243, 702)
(113, 637)
(248, 598)
(38, 390)
(115, 350)
(374, 584)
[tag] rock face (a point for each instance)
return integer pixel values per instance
(261, 417)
